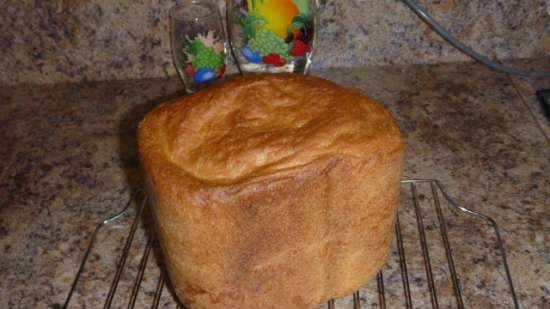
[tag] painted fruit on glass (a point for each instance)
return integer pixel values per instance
(276, 32)
(205, 58)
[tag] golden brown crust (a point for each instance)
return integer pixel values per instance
(273, 191)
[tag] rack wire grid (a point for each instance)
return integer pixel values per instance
(454, 259)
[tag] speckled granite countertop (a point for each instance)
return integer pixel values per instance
(68, 159)
(93, 40)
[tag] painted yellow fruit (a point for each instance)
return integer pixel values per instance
(277, 13)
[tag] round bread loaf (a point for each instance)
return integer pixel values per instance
(272, 191)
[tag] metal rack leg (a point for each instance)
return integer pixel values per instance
(124, 256)
(381, 292)
(158, 292)
(141, 271)
(356, 300)
(448, 253)
(424, 247)
(403, 264)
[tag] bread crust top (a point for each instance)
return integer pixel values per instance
(256, 126)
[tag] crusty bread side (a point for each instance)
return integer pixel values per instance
(272, 191)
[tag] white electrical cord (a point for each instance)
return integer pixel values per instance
(467, 50)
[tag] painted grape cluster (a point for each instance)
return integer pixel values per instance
(205, 58)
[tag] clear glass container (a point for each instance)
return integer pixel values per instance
(273, 35)
(198, 43)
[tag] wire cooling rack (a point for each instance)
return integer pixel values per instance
(444, 256)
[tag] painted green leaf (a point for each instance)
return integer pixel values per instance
(295, 25)
(301, 21)
(302, 18)
(303, 6)
(253, 23)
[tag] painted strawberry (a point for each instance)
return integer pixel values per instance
(275, 60)
(299, 48)
(189, 70)
(221, 72)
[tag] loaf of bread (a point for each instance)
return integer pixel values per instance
(272, 191)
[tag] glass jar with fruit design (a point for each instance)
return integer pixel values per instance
(198, 42)
(272, 35)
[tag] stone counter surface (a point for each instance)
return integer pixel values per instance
(68, 160)
(89, 40)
